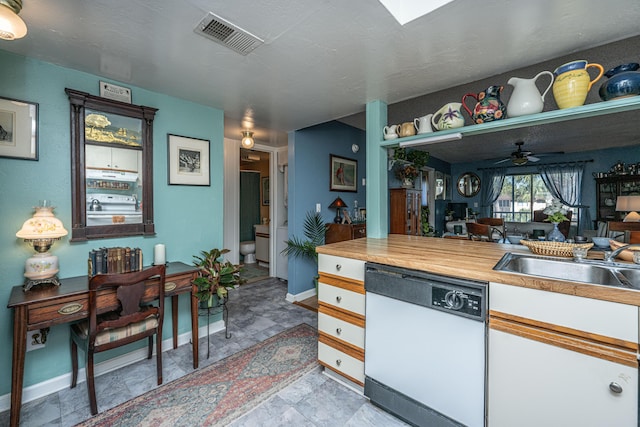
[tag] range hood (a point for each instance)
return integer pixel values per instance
(111, 175)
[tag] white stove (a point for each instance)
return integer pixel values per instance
(106, 209)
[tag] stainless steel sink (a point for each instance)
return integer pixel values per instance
(586, 271)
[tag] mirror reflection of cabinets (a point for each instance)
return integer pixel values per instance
(468, 184)
(111, 167)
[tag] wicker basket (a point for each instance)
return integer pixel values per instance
(554, 248)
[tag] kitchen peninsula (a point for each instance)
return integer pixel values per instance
(557, 352)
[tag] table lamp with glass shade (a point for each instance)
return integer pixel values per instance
(41, 231)
(630, 204)
(337, 204)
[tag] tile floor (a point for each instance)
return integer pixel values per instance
(257, 311)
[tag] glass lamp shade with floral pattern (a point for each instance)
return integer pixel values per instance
(41, 231)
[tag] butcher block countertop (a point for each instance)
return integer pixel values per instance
(465, 259)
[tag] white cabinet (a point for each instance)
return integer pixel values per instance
(560, 360)
(262, 243)
(101, 157)
(341, 316)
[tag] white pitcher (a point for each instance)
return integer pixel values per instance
(390, 132)
(423, 124)
(526, 98)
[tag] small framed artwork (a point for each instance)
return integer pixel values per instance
(188, 161)
(265, 191)
(344, 174)
(18, 129)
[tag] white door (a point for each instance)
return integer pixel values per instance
(536, 384)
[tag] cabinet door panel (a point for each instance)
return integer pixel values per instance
(536, 384)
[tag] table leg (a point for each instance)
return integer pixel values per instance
(19, 351)
(174, 319)
(194, 328)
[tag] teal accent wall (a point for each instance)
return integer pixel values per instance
(188, 219)
(309, 151)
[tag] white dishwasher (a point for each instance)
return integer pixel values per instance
(425, 346)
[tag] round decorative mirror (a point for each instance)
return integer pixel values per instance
(468, 184)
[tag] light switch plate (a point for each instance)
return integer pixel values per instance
(318, 208)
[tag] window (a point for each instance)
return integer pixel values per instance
(520, 196)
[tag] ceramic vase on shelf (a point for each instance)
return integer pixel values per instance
(488, 107)
(525, 98)
(555, 235)
(573, 82)
(624, 80)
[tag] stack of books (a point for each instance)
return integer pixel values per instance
(114, 260)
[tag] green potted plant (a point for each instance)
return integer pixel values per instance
(314, 231)
(216, 275)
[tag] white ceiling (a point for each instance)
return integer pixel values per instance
(321, 60)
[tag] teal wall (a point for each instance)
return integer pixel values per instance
(188, 219)
(309, 152)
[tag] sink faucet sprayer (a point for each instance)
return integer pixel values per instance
(610, 257)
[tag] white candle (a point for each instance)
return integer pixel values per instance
(159, 257)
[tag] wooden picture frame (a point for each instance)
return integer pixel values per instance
(343, 174)
(18, 129)
(188, 161)
(264, 191)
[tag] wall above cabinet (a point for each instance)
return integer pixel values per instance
(589, 127)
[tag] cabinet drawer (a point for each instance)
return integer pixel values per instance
(341, 362)
(341, 298)
(605, 318)
(58, 311)
(342, 330)
(339, 266)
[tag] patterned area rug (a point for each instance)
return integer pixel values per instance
(223, 391)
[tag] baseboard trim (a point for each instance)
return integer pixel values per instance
(53, 385)
(301, 296)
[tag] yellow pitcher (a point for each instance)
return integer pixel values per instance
(573, 82)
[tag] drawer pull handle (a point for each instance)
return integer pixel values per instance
(615, 387)
(338, 267)
(338, 299)
(71, 308)
(338, 331)
(338, 362)
(169, 286)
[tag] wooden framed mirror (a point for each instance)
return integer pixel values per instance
(111, 167)
(468, 184)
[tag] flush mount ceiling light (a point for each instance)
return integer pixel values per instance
(247, 139)
(11, 25)
(407, 10)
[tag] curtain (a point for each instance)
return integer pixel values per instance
(492, 182)
(564, 181)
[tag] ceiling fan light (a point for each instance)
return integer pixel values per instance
(520, 161)
(11, 25)
(247, 139)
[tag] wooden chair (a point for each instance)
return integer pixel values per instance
(564, 226)
(619, 228)
(477, 231)
(497, 225)
(133, 320)
(634, 237)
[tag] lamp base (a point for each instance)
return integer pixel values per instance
(30, 283)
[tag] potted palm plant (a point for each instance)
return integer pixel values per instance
(314, 231)
(216, 275)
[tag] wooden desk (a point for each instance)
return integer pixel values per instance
(49, 305)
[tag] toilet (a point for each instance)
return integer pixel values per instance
(248, 251)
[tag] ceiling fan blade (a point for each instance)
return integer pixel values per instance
(554, 153)
(533, 159)
(502, 161)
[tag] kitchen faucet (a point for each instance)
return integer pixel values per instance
(611, 256)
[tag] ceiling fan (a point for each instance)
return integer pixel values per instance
(521, 157)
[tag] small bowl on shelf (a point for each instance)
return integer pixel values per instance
(515, 240)
(601, 242)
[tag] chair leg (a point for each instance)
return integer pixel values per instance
(150, 355)
(74, 363)
(159, 358)
(91, 385)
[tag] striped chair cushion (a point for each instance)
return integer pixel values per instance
(111, 335)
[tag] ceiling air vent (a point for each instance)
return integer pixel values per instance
(224, 32)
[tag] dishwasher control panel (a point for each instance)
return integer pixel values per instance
(458, 300)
